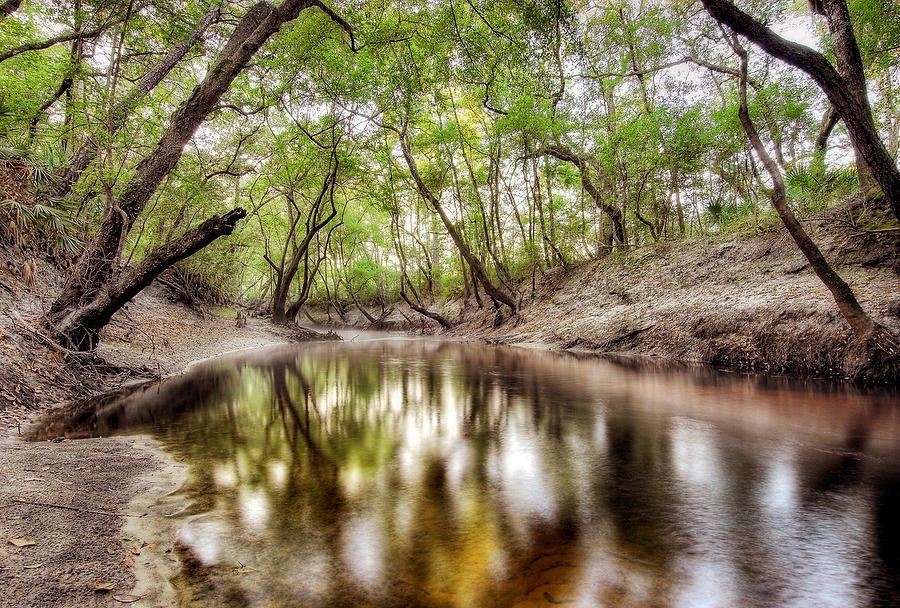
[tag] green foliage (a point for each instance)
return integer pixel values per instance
(813, 186)
(478, 88)
(25, 219)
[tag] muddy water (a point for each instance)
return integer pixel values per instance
(416, 473)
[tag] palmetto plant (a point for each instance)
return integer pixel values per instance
(814, 186)
(25, 219)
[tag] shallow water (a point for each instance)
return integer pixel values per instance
(426, 473)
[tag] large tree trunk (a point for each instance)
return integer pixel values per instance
(99, 264)
(79, 328)
(844, 297)
(68, 174)
(845, 86)
(475, 264)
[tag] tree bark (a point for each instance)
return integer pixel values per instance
(581, 163)
(845, 86)
(68, 174)
(309, 276)
(287, 272)
(829, 122)
(422, 310)
(9, 7)
(860, 322)
(80, 327)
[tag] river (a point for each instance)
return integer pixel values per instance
(430, 473)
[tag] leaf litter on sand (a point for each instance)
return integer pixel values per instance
(21, 542)
(103, 587)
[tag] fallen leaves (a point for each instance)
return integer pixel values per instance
(22, 542)
(134, 550)
(103, 587)
(129, 561)
(127, 599)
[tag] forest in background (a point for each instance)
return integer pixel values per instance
(365, 152)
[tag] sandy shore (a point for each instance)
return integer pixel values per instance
(96, 509)
(80, 503)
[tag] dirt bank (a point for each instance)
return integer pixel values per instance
(746, 302)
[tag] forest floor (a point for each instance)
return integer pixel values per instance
(744, 302)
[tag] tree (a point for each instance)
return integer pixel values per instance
(97, 276)
(845, 85)
(584, 165)
(68, 174)
(293, 253)
(844, 297)
(496, 293)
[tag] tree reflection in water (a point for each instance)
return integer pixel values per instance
(437, 474)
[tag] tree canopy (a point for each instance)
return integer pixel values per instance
(419, 150)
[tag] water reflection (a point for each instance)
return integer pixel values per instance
(435, 474)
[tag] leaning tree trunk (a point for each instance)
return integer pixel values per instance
(421, 309)
(69, 173)
(87, 288)
(845, 86)
(80, 327)
(829, 122)
(475, 264)
(581, 163)
(844, 297)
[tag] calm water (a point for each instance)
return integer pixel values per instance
(419, 473)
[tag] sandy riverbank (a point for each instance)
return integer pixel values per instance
(84, 504)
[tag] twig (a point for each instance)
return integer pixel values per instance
(879, 230)
(71, 508)
(20, 323)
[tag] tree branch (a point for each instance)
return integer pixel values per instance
(46, 44)
(337, 19)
